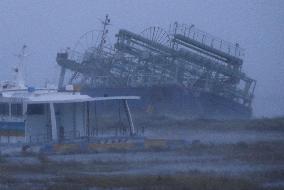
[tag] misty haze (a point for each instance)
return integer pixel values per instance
(141, 94)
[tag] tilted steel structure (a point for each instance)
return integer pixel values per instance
(184, 56)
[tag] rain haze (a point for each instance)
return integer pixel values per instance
(166, 107)
(46, 27)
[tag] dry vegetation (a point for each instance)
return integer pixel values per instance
(247, 165)
(275, 124)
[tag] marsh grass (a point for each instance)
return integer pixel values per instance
(140, 182)
(181, 181)
(262, 151)
(162, 121)
(2, 159)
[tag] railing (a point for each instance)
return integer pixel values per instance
(95, 133)
(39, 139)
(11, 139)
(205, 38)
(114, 132)
(149, 80)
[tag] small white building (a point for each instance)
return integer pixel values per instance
(46, 115)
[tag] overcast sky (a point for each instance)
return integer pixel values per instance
(47, 26)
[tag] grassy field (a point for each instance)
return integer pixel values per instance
(223, 155)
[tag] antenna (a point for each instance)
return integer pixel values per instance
(19, 69)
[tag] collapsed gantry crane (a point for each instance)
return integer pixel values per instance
(184, 56)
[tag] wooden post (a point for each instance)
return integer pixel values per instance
(88, 118)
(74, 113)
(96, 120)
(25, 114)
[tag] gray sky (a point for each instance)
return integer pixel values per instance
(48, 26)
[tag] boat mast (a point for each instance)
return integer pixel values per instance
(19, 69)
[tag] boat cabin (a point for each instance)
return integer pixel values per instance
(46, 115)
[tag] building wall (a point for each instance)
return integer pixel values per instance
(12, 131)
(71, 117)
(38, 126)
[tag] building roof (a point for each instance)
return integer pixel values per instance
(40, 96)
(63, 98)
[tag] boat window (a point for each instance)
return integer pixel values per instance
(4, 108)
(16, 109)
(35, 109)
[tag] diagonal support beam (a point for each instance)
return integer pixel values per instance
(53, 122)
(129, 117)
